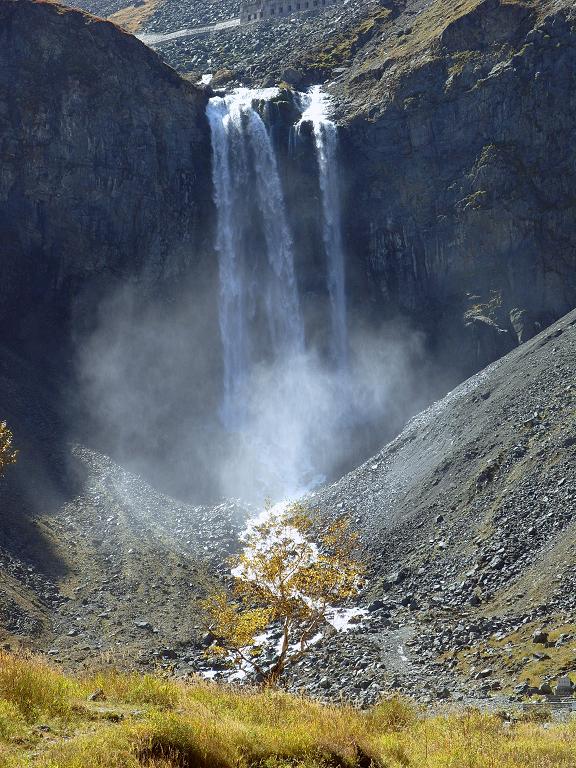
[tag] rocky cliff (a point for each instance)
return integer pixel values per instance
(458, 122)
(457, 127)
(459, 135)
(457, 142)
(105, 167)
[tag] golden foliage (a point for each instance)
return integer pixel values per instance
(7, 453)
(283, 576)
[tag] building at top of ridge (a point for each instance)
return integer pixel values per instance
(259, 10)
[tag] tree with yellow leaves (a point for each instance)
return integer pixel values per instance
(283, 577)
(7, 454)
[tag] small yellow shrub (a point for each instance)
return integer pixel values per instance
(12, 723)
(32, 686)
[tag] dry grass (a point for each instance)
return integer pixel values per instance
(135, 688)
(421, 40)
(133, 18)
(341, 48)
(515, 658)
(32, 686)
(430, 25)
(158, 723)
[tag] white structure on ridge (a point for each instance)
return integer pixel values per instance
(258, 10)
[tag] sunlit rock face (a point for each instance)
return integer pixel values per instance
(461, 163)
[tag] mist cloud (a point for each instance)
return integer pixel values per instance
(151, 384)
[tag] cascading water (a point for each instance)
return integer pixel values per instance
(247, 187)
(283, 403)
(316, 111)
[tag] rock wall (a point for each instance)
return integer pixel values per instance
(462, 170)
(105, 167)
(459, 158)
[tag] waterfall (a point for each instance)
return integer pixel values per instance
(326, 140)
(284, 403)
(251, 217)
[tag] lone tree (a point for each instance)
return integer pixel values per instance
(282, 577)
(7, 453)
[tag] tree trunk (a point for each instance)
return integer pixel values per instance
(274, 674)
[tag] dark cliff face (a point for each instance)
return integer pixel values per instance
(458, 140)
(105, 167)
(461, 154)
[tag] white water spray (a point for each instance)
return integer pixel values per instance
(285, 405)
(326, 140)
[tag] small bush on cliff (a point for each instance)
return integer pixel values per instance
(285, 579)
(7, 453)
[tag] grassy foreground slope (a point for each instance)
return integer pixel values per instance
(124, 721)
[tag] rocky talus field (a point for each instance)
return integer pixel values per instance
(467, 519)
(457, 147)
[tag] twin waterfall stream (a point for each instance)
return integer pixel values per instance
(326, 141)
(262, 323)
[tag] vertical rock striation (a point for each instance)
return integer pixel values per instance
(105, 165)
(461, 147)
